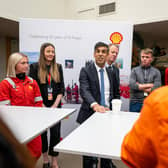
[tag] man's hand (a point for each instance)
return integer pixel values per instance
(148, 90)
(107, 109)
(99, 108)
(145, 87)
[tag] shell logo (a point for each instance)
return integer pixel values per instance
(30, 87)
(116, 38)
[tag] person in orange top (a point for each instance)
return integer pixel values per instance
(20, 90)
(146, 145)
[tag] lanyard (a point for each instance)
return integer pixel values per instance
(49, 79)
(50, 90)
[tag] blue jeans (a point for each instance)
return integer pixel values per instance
(135, 106)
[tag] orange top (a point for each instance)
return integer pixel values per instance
(146, 145)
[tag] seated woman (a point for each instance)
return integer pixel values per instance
(12, 153)
(20, 90)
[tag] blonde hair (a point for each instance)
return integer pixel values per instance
(116, 45)
(42, 72)
(12, 62)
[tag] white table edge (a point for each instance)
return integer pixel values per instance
(76, 152)
(43, 130)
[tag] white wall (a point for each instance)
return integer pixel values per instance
(29, 9)
(136, 11)
(15, 9)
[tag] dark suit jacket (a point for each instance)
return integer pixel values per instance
(116, 76)
(90, 90)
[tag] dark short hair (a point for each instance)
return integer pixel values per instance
(100, 44)
(146, 51)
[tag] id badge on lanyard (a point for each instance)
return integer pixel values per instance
(50, 89)
(145, 94)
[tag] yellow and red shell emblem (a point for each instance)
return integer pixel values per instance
(116, 38)
(30, 87)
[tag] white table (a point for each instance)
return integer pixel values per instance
(101, 135)
(28, 122)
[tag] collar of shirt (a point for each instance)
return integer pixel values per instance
(98, 68)
(146, 67)
(109, 66)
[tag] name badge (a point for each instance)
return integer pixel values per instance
(50, 94)
(145, 94)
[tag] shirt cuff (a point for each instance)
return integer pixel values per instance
(93, 104)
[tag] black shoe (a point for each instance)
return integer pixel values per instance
(46, 165)
(89, 162)
(107, 163)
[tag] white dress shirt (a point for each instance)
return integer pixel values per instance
(106, 84)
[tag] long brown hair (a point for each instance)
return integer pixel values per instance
(42, 72)
(12, 153)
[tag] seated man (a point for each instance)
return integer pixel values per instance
(146, 145)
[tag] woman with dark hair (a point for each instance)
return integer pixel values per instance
(49, 76)
(12, 153)
(20, 90)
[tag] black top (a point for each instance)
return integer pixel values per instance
(58, 88)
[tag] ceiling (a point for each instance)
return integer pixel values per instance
(10, 28)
